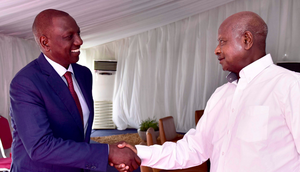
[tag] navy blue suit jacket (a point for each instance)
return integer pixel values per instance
(48, 133)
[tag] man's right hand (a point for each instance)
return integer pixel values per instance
(124, 144)
(125, 155)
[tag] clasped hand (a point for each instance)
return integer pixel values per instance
(123, 157)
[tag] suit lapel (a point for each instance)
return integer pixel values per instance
(85, 89)
(80, 78)
(60, 88)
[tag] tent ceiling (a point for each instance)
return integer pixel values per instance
(102, 21)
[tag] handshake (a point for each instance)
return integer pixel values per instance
(123, 157)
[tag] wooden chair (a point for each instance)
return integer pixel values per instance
(5, 143)
(167, 132)
(198, 115)
(151, 140)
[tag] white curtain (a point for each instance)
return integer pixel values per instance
(172, 70)
(15, 53)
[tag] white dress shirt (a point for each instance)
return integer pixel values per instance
(61, 71)
(250, 125)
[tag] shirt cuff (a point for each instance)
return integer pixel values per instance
(144, 152)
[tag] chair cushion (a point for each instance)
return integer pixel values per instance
(5, 163)
(5, 134)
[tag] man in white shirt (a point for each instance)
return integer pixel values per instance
(251, 123)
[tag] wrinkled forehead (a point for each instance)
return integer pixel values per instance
(224, 30)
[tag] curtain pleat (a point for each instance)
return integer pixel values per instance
(15, 53)
(172, 70)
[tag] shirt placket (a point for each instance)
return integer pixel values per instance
(231, 122)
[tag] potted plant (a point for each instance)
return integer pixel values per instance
(144, 127)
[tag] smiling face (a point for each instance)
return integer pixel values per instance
(62, 41)
(230, 50)
(241, 41)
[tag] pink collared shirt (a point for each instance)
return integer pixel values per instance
(250, 125)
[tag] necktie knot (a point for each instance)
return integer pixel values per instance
(68, 76)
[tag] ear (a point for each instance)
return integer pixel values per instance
(44, 43)
(247, 39)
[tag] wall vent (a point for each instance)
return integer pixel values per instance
(105, 65)
(103, 115)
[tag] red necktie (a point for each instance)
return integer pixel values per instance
(68, 76)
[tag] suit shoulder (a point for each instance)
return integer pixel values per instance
(29, 70)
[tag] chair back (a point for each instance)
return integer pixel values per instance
(167, 132)
(198, 115)
(167, 129)
(151, 138)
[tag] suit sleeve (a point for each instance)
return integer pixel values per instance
(31, 122)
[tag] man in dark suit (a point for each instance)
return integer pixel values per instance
(52, 112)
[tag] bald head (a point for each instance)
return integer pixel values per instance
(242, 40)
(248, 21)
(42, 24)
(58, 36)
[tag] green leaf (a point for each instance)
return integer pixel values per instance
(149, 123)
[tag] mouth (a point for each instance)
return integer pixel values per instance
(75, 51)
(221, 58)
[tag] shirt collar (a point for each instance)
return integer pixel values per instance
(252, 70)
(59, 68)
(231, 77)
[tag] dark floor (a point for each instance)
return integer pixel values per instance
(108, 132)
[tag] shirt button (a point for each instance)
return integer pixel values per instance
(232, 110)
(223, 153)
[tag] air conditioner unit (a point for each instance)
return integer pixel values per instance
(103, 115)
(105, 65)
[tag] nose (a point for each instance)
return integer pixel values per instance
(78, 40)
(217, 50)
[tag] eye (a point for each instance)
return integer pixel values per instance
(222, 42)
(68, 37)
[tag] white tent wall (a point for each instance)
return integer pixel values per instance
(172, 70)
(15, 53)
